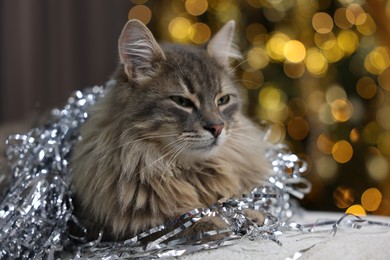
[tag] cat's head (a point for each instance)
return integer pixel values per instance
(182, 97)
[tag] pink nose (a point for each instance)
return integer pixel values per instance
(215, 129)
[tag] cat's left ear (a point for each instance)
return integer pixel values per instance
(221, 46)
(139, 52)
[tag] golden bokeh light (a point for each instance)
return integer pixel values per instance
(325, 114)
(276, 133)
(384, 143)
(342, 151)
(273, 104)
(322, 22)
(255, 3)
(196, 7)
(256, 33)
(333, 53)
(371, 132)
(353, 12)
(325, 40)
(294, 51)
(199, 33)
(252, 79)
(325, 144)
(354, 135)
(257, 58)
(140, 12)
(368, 27)
(294, 70)
(340, 19)
(316, 100)
(316, 63)
(298, 128)
(326, 168)
(343, 197)
(377, 60)
(348, 41)
(356, 210)
(335, 92)
(366, 87)
(383, 115)
(384, 79)
(377, 167)
(275, 46)
(371, 199)
(180, 28)
(341, 110)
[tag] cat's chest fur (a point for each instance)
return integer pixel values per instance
(167, 138)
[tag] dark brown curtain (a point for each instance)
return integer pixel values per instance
(50, 48)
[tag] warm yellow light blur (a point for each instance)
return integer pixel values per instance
(335, 92)
(275, 46)
(371, 132)
(356, 210)
(352, 13)
(325, 144)
(333, 53)
(343, 197)
(340, 18)
(297, 128)
(179, 28)
(256, 33)
(348, 41)
(368, 27)
(316, 63)
(371, 199)
(377, 60)
(315, 100)
(341, 110)
(377, 167)
(140, 12)
(257, 58)
(196, 7)
(354, 135)
(383, 116)
(342, 151)
(294, 70)
(384, 79)
(384, 143)
(326, 168)
(294, 51)
(366, 87)
(276, 133)
(322, 22)
(199, 33)
(271, 98)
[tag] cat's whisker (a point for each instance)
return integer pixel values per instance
(173, 142)
(238, 65)
(178, 152)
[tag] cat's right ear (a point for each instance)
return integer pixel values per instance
(139, 52)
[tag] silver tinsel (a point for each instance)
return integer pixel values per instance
(37, 209)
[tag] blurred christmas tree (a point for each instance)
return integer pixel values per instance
(320, 71)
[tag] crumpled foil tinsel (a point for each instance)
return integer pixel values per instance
(36, 211)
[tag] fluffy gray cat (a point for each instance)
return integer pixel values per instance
(169, 137)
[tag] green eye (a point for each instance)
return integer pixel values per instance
(223, 100)
(183, 102)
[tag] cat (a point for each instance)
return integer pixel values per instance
(169, 137)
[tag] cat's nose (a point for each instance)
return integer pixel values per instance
(214, 129)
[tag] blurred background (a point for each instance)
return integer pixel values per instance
(318, 70)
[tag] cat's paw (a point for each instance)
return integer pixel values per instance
(206, 224)
(255, 216)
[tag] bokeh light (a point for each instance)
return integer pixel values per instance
(377, 167)
(316, 63)
(294, 51)
(343, 197)
(342, 151)
(322, 22)
(356, 210)
(196, 7)
(371, 199)
(140, 12)
(179, 28)
(366, 87)
(257, 58)
(199, 33)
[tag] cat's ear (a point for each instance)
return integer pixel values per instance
(139, 52)
(221, 46)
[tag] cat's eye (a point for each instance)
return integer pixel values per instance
(223, 100)
(183, 102)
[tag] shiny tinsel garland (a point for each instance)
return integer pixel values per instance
(37, 209)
